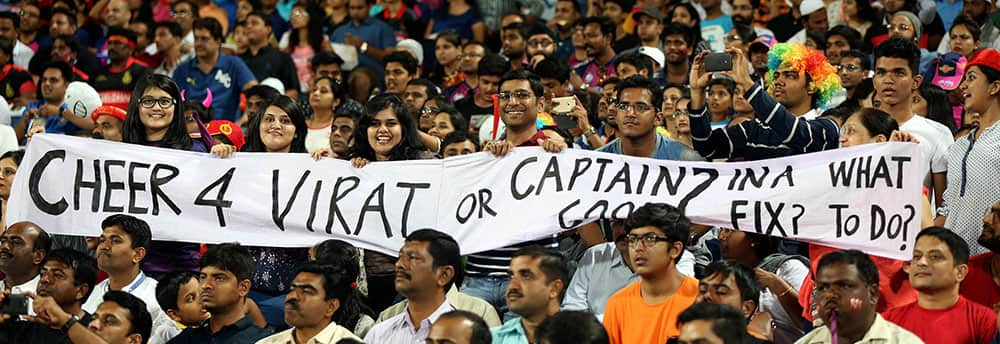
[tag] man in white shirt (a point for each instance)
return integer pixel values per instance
(23, 246)
(428, 265)
(312, 300)
(122, 246)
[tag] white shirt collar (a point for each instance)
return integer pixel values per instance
(31, 285)
(445, 307)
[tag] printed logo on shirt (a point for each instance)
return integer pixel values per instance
(190, 80)
(127, 77)
(224, 79)
(8, 91)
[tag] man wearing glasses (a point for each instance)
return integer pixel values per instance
(639, 101)
(853, 69)
(646, 311)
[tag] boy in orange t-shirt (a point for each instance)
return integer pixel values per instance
(646, 311)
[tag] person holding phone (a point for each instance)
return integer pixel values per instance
(786, 121)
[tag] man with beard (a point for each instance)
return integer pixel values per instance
(472, 53)
(56, 116)
(607, 108)
(541, 42)
(538, 279)
(514, 39)
(847, 289)
(121, 319)
(23, 246)
(599, 33)
(225, 283)
(66, 279)
(428, 265)
(678, 43)
(20, 54)
(64, 23)
(115, 81)
(940, 314)
(312, 300)
(981, 283)
(66, 48)
(743, 13)
(115, 15)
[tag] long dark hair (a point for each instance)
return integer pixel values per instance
(294, 110)
(345, 257)
(877, 122)
(133, 131)
(938, 108)
(409, 147)
(314, 28)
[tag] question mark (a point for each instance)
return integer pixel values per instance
(906, 224)
(795, 220)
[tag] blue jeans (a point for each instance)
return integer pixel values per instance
(492, 289)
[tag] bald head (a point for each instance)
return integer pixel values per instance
(459, 327)
(22, 247)
(117, 14)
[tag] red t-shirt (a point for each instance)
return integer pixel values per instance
(894, 288)
(963, 323)
(978, 286)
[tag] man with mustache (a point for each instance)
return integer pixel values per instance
(51, 112)
(66, 279)
(980, 284)
(312, 300)
(599, 33)
(847, 285)
(514, 40)
(428, 265)
(400, 69)
(121, 319)
(940, 314)
(646, 311)
(23, 246)
(678, 43)
(123, 244)
(538, 279)
(225, 283)
(108, 122)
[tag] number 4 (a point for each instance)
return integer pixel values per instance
(219, 202)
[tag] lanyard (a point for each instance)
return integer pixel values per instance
(135, 285)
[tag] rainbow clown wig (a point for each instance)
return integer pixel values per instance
(823, 76)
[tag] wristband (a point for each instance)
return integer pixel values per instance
(69, 323)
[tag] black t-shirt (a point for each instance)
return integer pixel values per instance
(115, 85)
(15, 80)
(273, 63)
(30, 332)
(467, 106)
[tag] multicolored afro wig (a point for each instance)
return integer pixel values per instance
(823, 75)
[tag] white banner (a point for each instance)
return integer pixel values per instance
(866, 197)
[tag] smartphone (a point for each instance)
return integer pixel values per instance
(563, 105)
(718, 62)
(14, 304)
(565, 122)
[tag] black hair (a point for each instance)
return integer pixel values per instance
(606, 25)
(136, 228)
(746, 32)
(443, 249)
(11, 15)
(746, 279)
(336, 282)
(70, 15)
(264, 17)
(690, 9)
(229, 257)
(16, 155)
(728, 83)
(938, 108)
(877, 122)
(314, 27)
(133, 131)
(211, 25)
(637, 60)
(626, 5)
(687, 33)
(268, 93)
(727, 322)
(172, 27)
(430, 88)
(902, 49)
(409, 147)
(456, 117)
(205, 114)
(534, 82)
(958, 247)
(344, 257)
(337, 87)
(866, 12)
(571, 327)
(7, 46)
(537, 28)
(518, 27)
(405, 59)
(842, 112)
(852, 36)
(194, 7)
(553, 264)
(667, 218)
(639, 81)
(611, 80)
(970, 24)
(71, 42)
(866, 63)
(817, 37)
(552, 69)
(325, 58)
(451, 36)
(142, 322)
(493, 65)
(481, 44)
(867, 270)
(349, 108)
(169, 286)
(84, 267)
(459, 136)
(480, 330)
(295, 111)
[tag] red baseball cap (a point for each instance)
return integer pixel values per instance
(109, 110)
(228, 129)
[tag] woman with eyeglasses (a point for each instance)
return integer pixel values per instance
(9, 163)
(305, 39)
(324, 97)
(156, 118)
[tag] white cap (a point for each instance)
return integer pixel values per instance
(809, 6)
(81, 98)
(275, 84)
(653, 53)
(413, 47)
